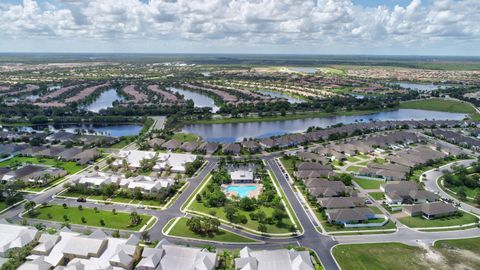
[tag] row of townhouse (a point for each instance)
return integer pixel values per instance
(457, 138)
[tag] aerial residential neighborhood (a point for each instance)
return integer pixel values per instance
(239, 135)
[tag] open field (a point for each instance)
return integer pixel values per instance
(181, 229)
(437, 104)
(69, 166)
(185, 137)
(118, 220)
(445, 254)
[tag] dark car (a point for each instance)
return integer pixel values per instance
(81, 199)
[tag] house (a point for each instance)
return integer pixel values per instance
(172, 145)
(267, 143)
(33, 174)
(148, 184)
(208, 147)
(70, 153)
(15, 236)
(169, 256)
(282, 259)
(96, 251)
(349, 215)
(189, 146)
(155, 142)
(175, 162)
(240, 176)
(231, 148)
(406, 192)
(341, 202)
(430, 210)
(318, 187)
(60, 136)
(251, 146)
(86, 156)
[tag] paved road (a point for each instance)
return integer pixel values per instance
(431, 183)
(320, 243)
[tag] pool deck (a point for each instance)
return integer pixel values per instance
(251, 194)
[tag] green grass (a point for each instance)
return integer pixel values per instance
(419, 222)
(438, 104)
(185, 137)
(472, 244)
(181, 229)
(251, 224)
(465, 252)
(335, 228)
(297, 115)
(368, 184)
(391, 256)
(378, 196)
(288, 163)
(469, 191)
(353, 159)
(124, 141)
(119, 221)
(69, 166)
(354, 169)
(379, 160)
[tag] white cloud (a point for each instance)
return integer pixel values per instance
(263, 22)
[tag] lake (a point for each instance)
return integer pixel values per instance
(237, 131)
(418, 86)
(199, 100)
(308, 70)
(274, 94)
(107, 130)
(104, 101)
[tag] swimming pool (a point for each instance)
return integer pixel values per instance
(242, 191)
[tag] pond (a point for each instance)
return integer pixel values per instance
(274, 94)
(107, 130)
(199, 100)
(418, 86)
(232, 132)
(308, 70)
(105, 100)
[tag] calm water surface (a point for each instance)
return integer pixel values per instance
(105, 100)
(107, 130)
(237, 131)
(199, 100)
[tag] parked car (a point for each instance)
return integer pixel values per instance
(81, 199)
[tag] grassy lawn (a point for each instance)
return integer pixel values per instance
(419, 222)
(453, 254)
(288, 163)
(181, 229)
(379, 256)
(252, 224)
(185, 137)
(334, 228)
(438, 104)
(378, 196)
(469, 191)
(368, 184)
(353, 159)
(119, 220)
(354, 169)
(124, 141)
(69, 166)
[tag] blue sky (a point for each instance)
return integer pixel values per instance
(409, 27)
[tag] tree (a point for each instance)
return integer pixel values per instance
(247, 204)
(114, 211)
(29, 206)
(477, 198)
(230, 212)
(64, 205)
(145, 236)
(262, 228)
(116, 234)
(278, 215)
(194, 224)
(80, 208)
(135, 219)
(84, 220)
(462, 195)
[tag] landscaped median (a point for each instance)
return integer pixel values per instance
(250, 222)
(90, 217)
(178, 228)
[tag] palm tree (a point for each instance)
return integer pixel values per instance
(29, 206)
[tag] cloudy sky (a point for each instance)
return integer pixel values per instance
(411, 27)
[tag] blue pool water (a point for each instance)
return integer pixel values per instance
(242, 191)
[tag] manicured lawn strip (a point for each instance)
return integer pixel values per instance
(353, 159)
(333, 228)
(288, 163)
(124, 141)
(69, 166)
(469, 191)
(378, 196)
(392, 256)
(453, 194)
(354, 169)
(419, 222)
(289, 206)
(185, 137)
(368, 184)
(180, 229)
(120, 220)
(297, 115)
(438, 104)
